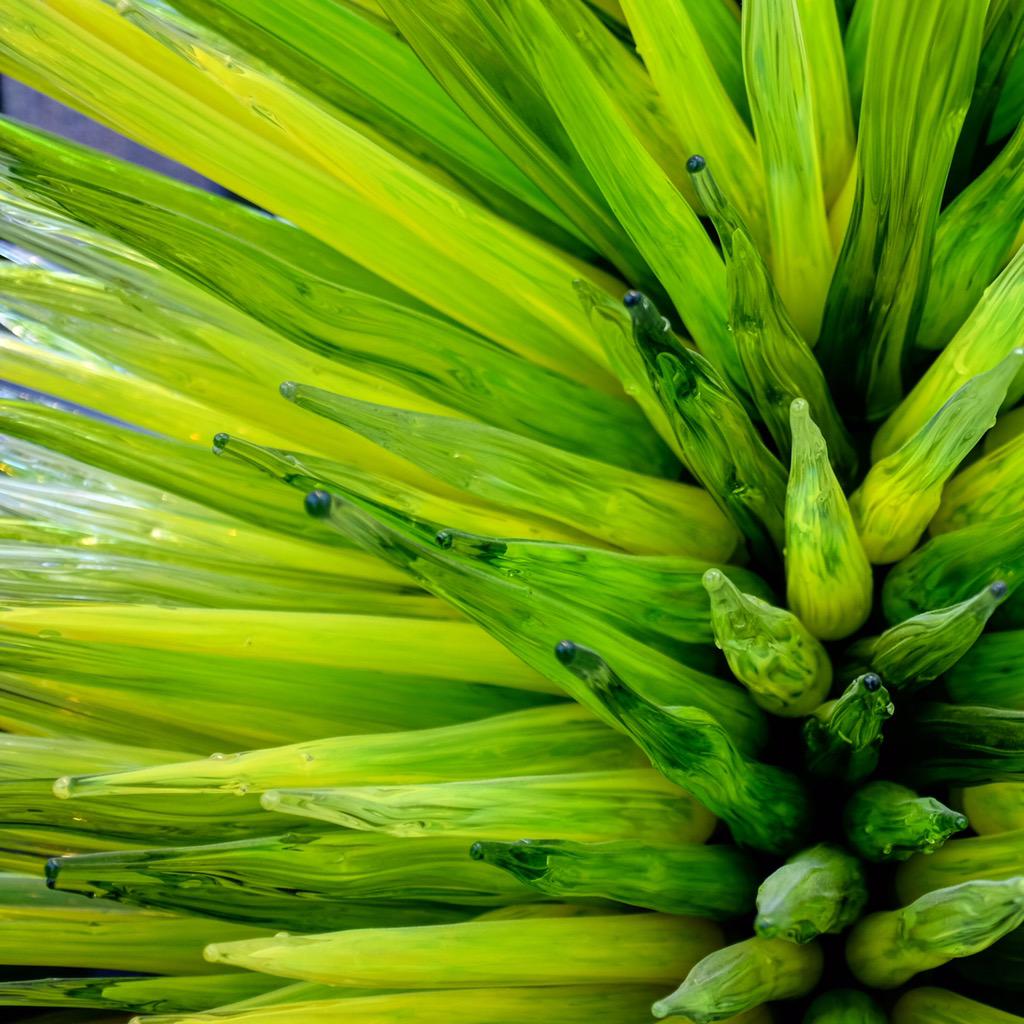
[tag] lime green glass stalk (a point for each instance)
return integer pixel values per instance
(769, 649)
(829, 583)
(764, 806)
(994, 857)
(986, 338)
(705, 881)
(984, 490)
(742, 976)
(560, 1004)
(585, 806)
(986, 675)
(927, 1005)
(905, 147)
(777, 67)
(887, 821)
(897, 499)
(920, 649)
(510, 470)
(888, 948)
(994, 807)
(538, 741)
(821, 890)
(621, 949)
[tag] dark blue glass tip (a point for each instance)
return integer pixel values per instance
(318, 504)
(872, 682)
(696, 164)
(565, 651)
(51, 871)
(631, 298)
(998, 589)
(476, 851)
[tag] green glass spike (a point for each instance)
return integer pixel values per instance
(887, 821)
(531, 620)
(987, 673)
(537, 741)
(966, 745)
(927, 1005)
(742, 976)
(139, 995)
(829, 584)
(778, 362)
(769, 649)
(348, 879)
(874, 303)
(952, 567)
(705, 881)
(819, 891)
(923, 647)
(845, 1006)
(842, 737)
(720, 443)
(995, 857)
(536, 951)
(886, 949)
(764, 806)
(512, 471)
(588, 806)
(897, 499)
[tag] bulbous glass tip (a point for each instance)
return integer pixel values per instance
(696, 164)
(476, 851)
(565, 651)
(713, 580)
(871, 682)
(288, 388)
(998, 589)
(220, 442)
(444, 539)
(51, 871)
(632, 298)
(318, 504)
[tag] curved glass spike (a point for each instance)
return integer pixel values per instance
(764, 806)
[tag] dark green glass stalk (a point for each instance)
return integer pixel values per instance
(705, 881)
(821, 890)
(886, 821)
(764, 806)
(842, 737)
(905, 146)
(845, 1006)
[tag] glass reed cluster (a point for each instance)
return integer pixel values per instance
(603, 596)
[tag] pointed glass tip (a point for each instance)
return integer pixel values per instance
(444, 539)
(288, 388)
(565, 651)
(220, 442)
(871, 682)
(696, 164)
(632, 298)
(998, 589)
(318, 504)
